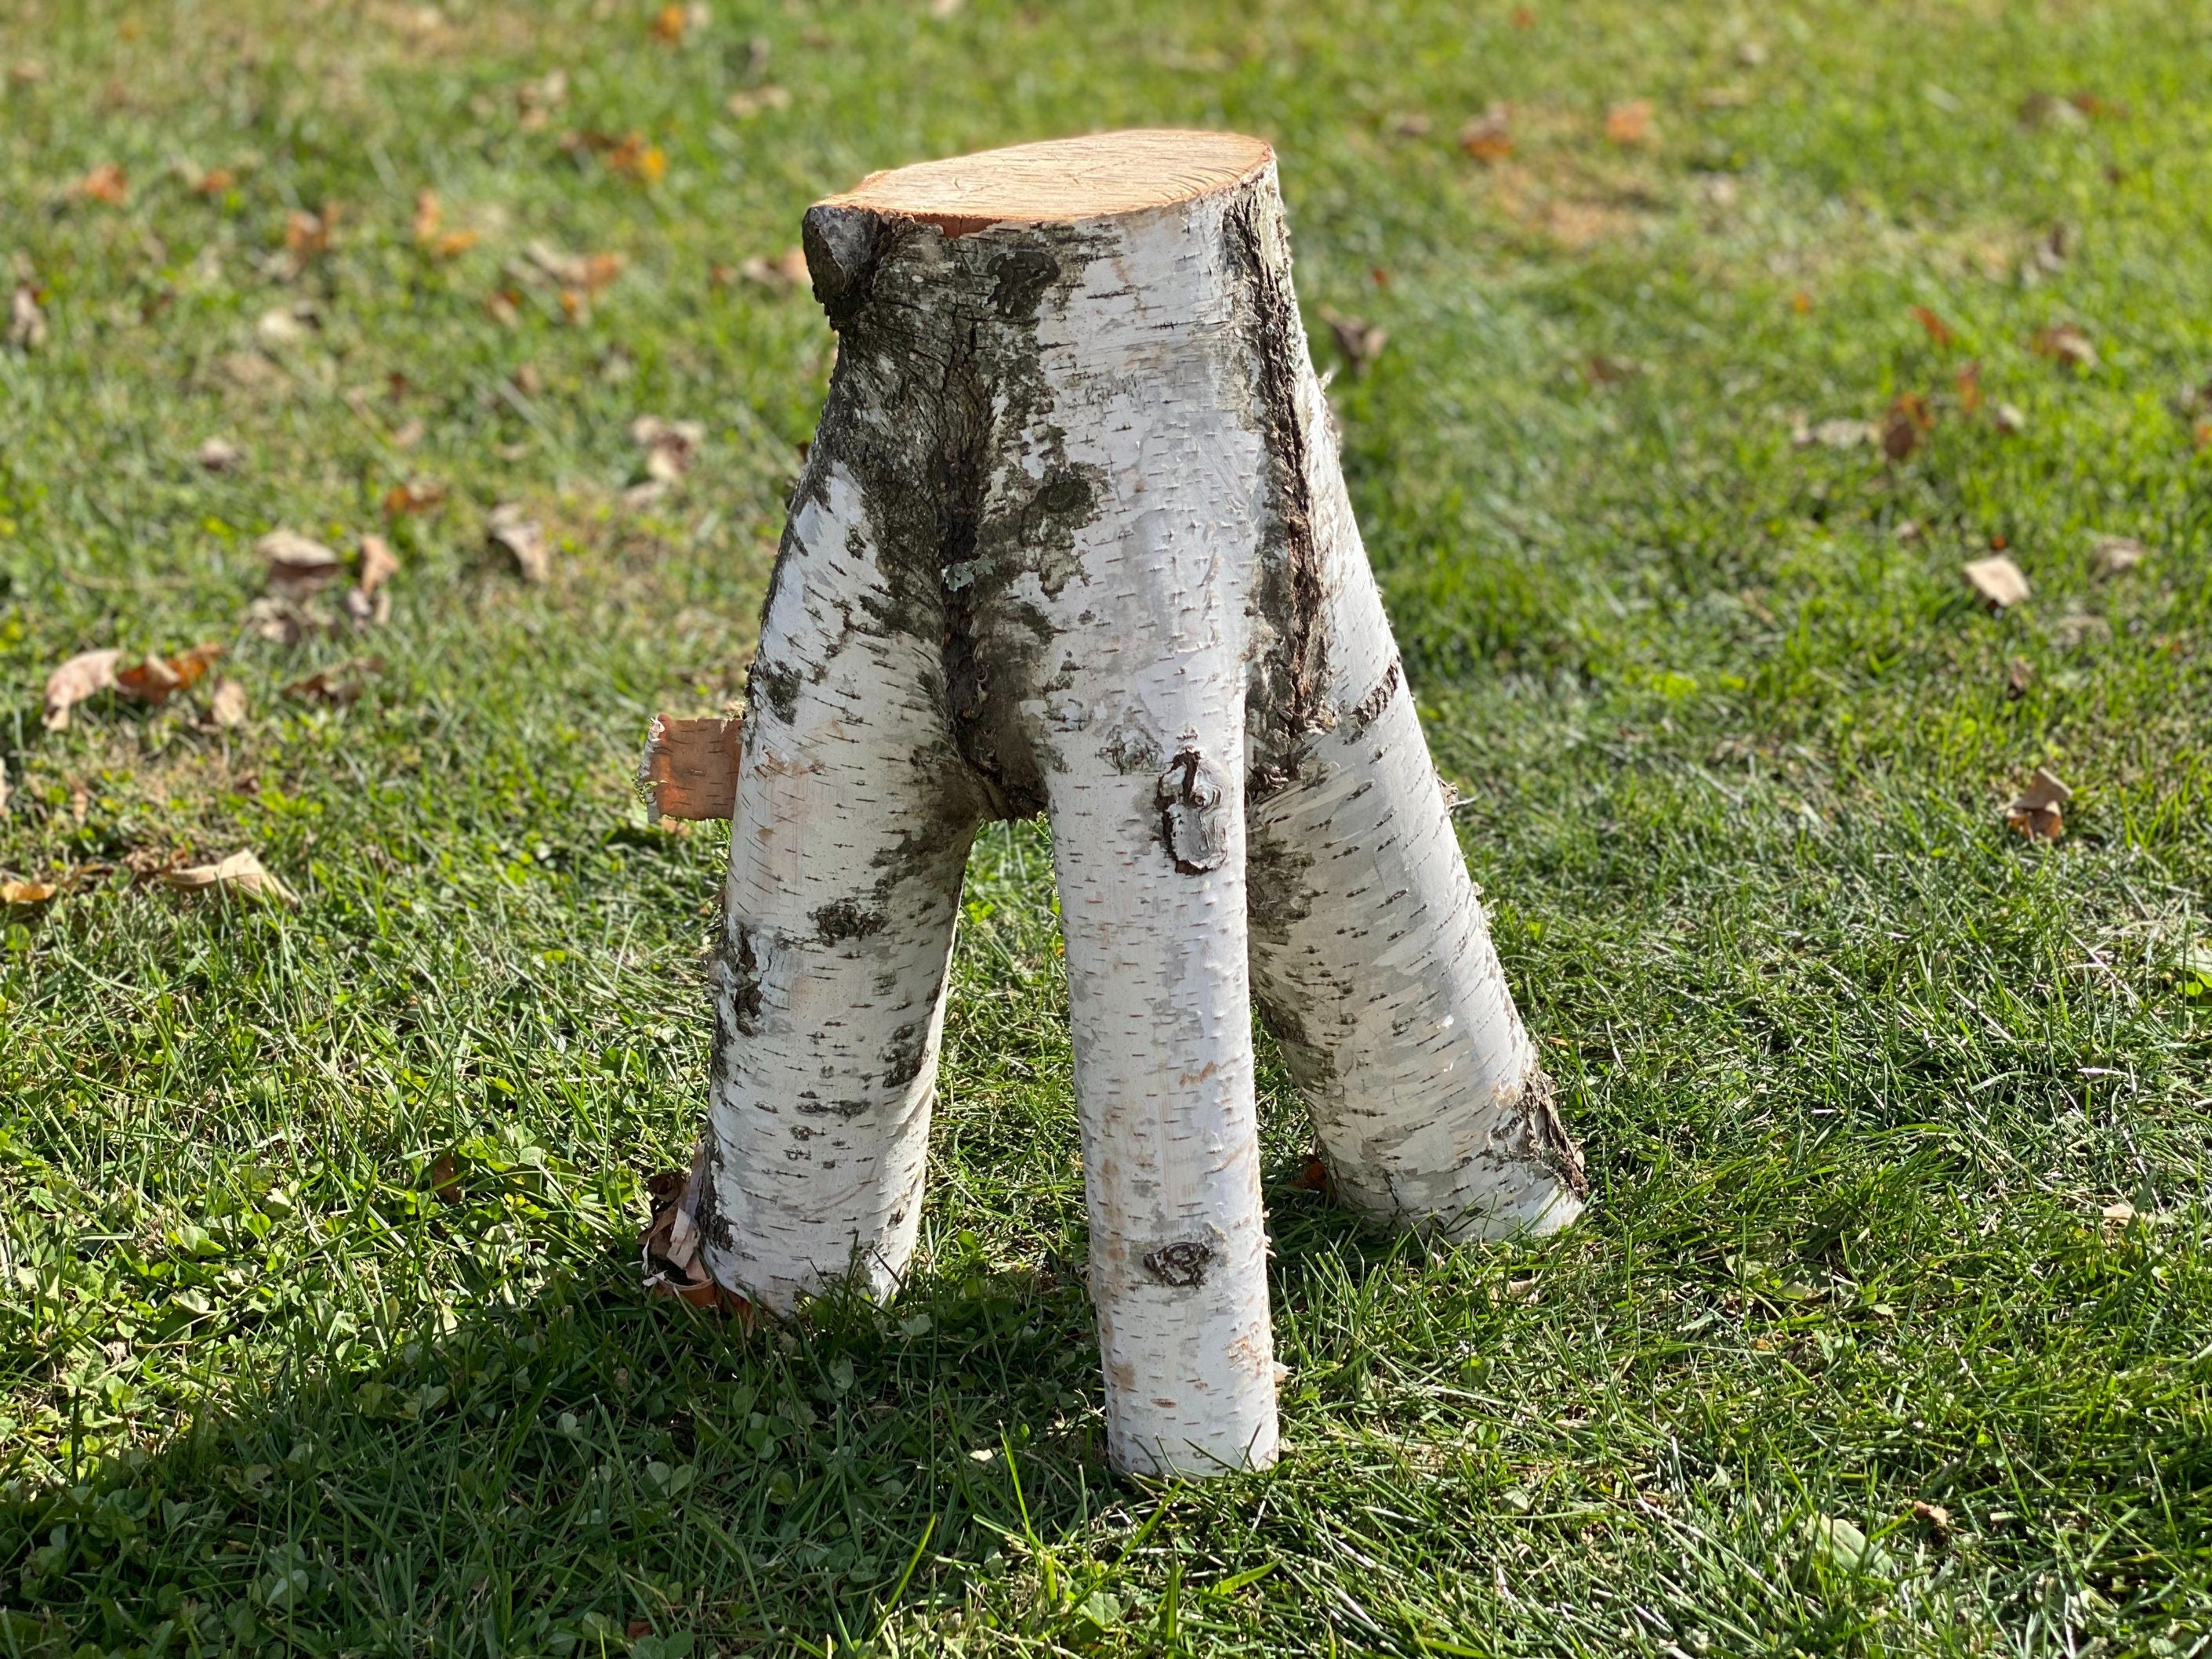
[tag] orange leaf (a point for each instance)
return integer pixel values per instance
(1630, 123)
(1489, 136)
(1938, 330)
(105, 183)
(668, 23)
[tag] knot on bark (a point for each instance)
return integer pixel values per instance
(1189, 797)
(843, 246)
(1180, 1267)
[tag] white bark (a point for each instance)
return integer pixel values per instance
(1073, 538)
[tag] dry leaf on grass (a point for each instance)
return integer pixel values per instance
(220, 455)
(1902, 426)
(443, 1177)
(366, 602)
(26, 892)
(669, 1246)
(284, 620)
(1359, 340)
(85, 675)
(518, 535)
(1939, 331)
(27, 324)
(1932, 1514)
(415, 495)
(155, 680)
(2037, 812)
(341, 686)
(1489, 136)
(106, 183)
(669, 446)
(2111, 554)
(749, 101)
(297, 565)
(543, 264)
(241, 872)
(2067, 344)
(1998, 580)
(690, 768)
(784, 274)
(2009, 419)
(227, 708)
(1630, 123)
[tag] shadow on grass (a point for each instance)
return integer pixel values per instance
(586, 1470)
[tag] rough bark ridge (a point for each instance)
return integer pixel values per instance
(1071, 538)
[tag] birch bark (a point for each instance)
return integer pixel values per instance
(1072, 539)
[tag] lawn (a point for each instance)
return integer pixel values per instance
(1890, 1328)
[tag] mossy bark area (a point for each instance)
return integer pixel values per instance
(1071, 538)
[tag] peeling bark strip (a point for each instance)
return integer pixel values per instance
(690, 768)
(1071, 538)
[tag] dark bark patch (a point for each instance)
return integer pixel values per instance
(845, 919)
(1180, 1266)
(903, 1053)
(1020, 278)
(774, 686)
(1191, 828)
(1553, 1146)
(1369, 708)
(741, 988)
(1277, 894)
(810, 1104)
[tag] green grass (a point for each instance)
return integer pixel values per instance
(1856, 1069)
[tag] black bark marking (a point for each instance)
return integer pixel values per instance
(1182, 1266)
(1023, 276)
(843, 247)
(1369, 709)
(845, 919)
(1287, 698)
(1277, 894)
(775, 686)
(1189, 798)
(741, 970)
(903, 1055)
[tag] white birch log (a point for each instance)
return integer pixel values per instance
(1071, 538)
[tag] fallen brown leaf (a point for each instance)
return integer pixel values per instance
(1938, 331)
(284, 620)
(2111, 554)
(296, 565)
(27, 323)
(2037, 812)
(444, 1178)
(85, 675)
(26, 892)
(308, 235)
(514, 532)
(155, 680)
(241, 872)
(1358, 340)
(543, 264)
(2067, 344)
(1902, 426)
(782, 273)
(1968, 383)
(669, 446)
(415, 495)
(341, 686)
(106, 183)
(379, 565)
(749, 101)
(429, 216)
(1932, 1514)
(1489, 136)
(227, 708)
(1998, 580)
(634, 158)
(1630, 123)
(220, 455)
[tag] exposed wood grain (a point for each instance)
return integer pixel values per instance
(1066, 178)
(690, 767)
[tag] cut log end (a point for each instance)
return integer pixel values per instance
(1099, 176)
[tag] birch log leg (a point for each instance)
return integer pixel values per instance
(850, 834)
(1370, 958)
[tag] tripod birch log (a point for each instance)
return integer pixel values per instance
(1072, 539)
